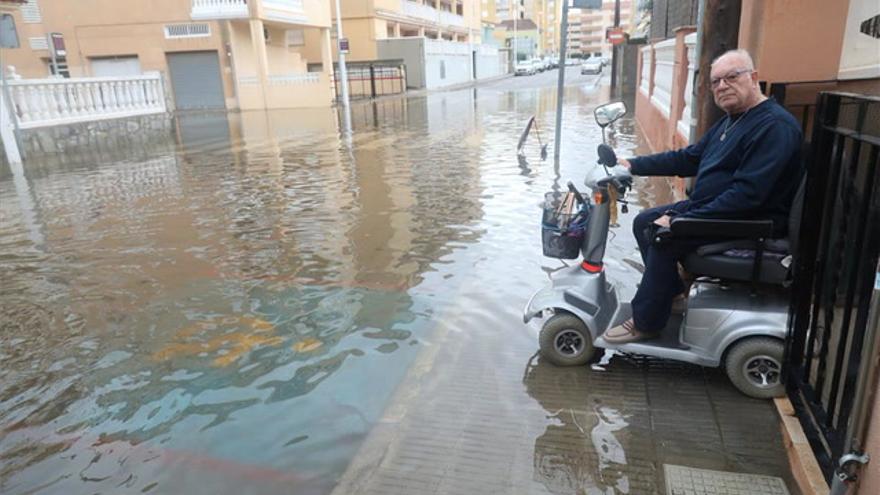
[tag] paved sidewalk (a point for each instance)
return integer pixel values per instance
(485, 415)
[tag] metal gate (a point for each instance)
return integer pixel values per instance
(195, 80)
(372, 78)
(832, 328)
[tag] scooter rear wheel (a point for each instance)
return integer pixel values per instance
(754, 366)
(566, 341)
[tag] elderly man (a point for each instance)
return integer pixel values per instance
(747, 166)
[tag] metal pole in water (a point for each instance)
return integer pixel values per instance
(559, 90)
(343, 73)
(515, 18)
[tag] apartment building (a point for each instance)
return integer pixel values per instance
(489, 20)
(527, 36)
(213, 54)
(587, 27)
(552, 18)
(366, 22)
(439, 41)
(546, 15)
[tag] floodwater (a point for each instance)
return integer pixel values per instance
(231, 311)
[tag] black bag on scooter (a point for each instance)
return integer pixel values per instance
(563, 224)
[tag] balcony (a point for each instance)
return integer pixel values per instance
(205, 10)
(284, 11)
(288, 11)
(430, 14)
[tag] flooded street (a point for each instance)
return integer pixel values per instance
(252, 305)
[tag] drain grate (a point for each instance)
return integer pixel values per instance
(683, 480)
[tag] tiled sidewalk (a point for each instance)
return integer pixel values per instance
(485, 415)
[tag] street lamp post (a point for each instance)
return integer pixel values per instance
(515, 18)
(563, 36)
(614, 62)
(343, 73)
(561, 84)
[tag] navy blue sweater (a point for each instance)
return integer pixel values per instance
(753, 173)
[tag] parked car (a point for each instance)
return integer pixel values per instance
(524, 68)
(592, 66)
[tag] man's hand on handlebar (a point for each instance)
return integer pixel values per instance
(624, 162)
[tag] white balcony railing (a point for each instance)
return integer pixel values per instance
(284, 10)
(430, 14)
(645, 83)
(664, 69)
(290, 5)
(219, 9)
(450, 19)
(685, 123)
(45, 102)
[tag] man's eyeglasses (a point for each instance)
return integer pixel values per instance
(729, 78)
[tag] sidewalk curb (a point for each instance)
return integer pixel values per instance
(804, 467)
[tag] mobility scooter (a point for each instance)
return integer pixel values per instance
(737, 309)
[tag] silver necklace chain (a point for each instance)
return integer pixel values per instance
(728, 126)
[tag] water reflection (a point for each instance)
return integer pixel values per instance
(230, 310)
(182, 296)
(582, 448)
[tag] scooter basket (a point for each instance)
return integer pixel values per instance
(562, 233)
(562, 245)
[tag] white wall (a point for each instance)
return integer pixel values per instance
(412, 51)
(860, 57)
(446, 63)
(489, 64)
(432, 64)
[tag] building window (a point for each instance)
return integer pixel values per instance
(295, 37)
(442, 69)
(187, 31)
(38, 43)
(30, 12)
(8, 35)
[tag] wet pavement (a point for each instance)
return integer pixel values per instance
(263, 306)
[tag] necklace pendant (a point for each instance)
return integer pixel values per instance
(723, 135)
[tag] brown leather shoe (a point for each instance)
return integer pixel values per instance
(625, 333)
(679, 304)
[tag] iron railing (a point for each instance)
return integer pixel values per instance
(369, 79)
(830, 332)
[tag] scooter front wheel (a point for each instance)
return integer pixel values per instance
(566, 341)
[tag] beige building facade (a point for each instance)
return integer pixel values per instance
(367, 21)
(232, 54)
(546, 15)
(587, 27)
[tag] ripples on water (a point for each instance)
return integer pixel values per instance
(230, 312)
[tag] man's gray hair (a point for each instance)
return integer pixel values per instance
(750, 64)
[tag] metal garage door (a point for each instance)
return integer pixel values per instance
(115, 66)
(195, 80)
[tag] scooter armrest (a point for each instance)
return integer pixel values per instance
(704, 227)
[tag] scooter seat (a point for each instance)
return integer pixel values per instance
(736, 268)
